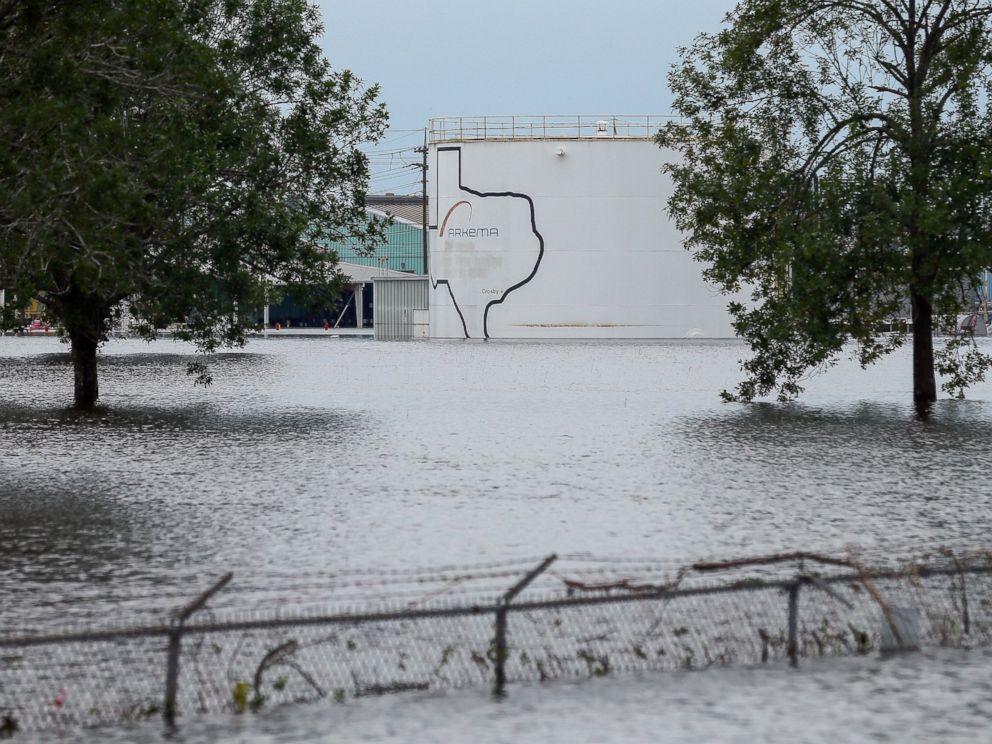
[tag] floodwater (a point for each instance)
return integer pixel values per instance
(310, 455)
(941, 696)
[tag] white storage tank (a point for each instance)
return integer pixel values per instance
(555, 227)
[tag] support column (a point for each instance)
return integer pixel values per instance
(359, 305)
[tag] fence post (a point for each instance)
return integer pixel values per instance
(499, 647)
(793, 644)
(179, 617)
(502, 610)
(172, 674)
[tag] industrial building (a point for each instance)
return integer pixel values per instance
(403, 247)
(399, 255)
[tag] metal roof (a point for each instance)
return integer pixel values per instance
(406, 208)
(361, 274)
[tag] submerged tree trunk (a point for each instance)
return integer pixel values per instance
(84, 346)
(84, 316)
(924, 381)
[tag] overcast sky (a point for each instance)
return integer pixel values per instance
(524, 57)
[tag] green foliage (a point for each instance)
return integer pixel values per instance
(598, 666)
(183, 155)
(494, 653)
(141, 712)
(961, 363)
(862, 640)
(239, 696)
(836, 164)
(446, 654)
(480, 660)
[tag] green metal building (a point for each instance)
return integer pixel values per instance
(399, 256)
(403, 249)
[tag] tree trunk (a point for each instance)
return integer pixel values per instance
(924, 381)
(84, 367)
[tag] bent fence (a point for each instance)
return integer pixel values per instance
(571, 617)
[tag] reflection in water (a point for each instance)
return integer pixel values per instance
(874, 432)
(124, 501)
(848, 475)
(133, 502)
(195, 420)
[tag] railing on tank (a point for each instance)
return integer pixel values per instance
(579, 126)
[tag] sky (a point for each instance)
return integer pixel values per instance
(523, 57)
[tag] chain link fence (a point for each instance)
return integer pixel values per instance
(572, 617)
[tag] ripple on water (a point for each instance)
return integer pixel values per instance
(317, 455)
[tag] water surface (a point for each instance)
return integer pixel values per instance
(318, 455)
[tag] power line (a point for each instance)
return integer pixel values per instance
(408, 133)
(393, 151)
(403, 168)
(390, 175)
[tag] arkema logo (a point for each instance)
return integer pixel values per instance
(473, 232)
(466, 232)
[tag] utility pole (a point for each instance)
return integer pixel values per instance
(423, 186)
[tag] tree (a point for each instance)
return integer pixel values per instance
(182, 156)
(837, 161)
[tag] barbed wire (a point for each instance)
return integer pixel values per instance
(440, 627)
